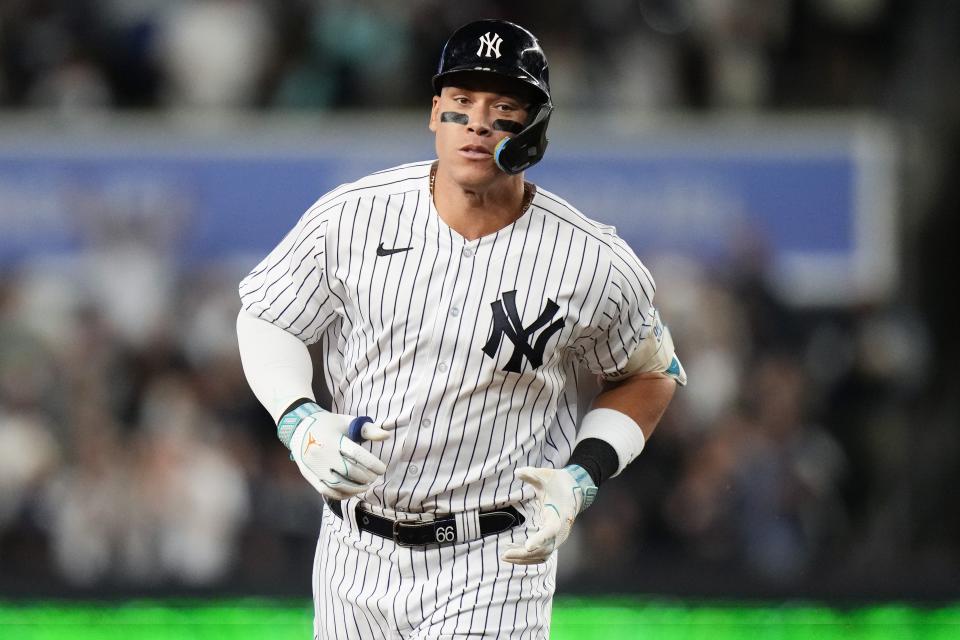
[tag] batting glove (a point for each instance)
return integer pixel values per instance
(561, 494)
(336, 466)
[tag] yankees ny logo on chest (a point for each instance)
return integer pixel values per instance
(489, 46)
(507, 322)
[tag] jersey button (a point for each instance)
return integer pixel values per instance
(454, 312)
(414, 470)
(467, 252)
(426, 422)
(442, 367)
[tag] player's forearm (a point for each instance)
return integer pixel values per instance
(643, 397)
(615, 431)
(276, 363)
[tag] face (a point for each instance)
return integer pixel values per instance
(465, 120)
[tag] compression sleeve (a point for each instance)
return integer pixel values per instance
(276, 363)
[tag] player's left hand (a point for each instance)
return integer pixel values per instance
(561, 494)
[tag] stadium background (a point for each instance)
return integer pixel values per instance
(786, 167)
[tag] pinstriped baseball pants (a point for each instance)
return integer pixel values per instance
(368, 587)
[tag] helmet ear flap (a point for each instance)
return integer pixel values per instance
(525, 149)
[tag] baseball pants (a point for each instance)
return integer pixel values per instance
(365, 587)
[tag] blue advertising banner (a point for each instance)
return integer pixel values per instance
(816, 211)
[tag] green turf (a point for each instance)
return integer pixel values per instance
(579, 619)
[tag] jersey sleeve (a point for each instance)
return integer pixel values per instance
(627, 336)
(289, 288)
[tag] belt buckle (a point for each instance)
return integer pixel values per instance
(396, 533)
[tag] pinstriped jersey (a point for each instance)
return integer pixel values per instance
(471, 351)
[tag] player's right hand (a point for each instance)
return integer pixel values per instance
(336, 466)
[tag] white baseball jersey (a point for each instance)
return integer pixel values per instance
(473, 353)
(466, 349)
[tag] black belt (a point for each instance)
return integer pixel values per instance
(443, 530)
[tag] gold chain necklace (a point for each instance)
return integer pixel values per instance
(529, 191)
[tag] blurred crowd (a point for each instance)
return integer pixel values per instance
(812, 448)
(131, 451)
(79, 55)
(133, 454)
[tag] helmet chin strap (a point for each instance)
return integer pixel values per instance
(525, 149)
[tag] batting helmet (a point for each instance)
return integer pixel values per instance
(507, 50)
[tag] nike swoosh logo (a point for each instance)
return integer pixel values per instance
(386, 252)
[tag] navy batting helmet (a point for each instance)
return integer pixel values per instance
(510, 51)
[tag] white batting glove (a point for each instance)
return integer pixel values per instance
(336, 466)
(561, 494)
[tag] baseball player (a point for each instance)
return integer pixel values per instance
(455, 304)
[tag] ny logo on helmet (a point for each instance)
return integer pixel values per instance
(507, 322)
(492, 44)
